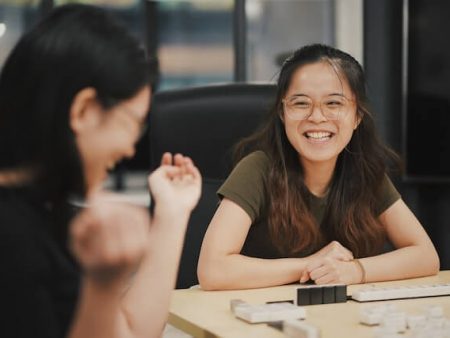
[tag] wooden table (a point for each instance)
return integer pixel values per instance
(207, 313)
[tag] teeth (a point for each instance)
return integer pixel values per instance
(318, 135)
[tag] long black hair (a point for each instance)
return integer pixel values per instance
(75, 47)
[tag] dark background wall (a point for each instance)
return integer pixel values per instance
(383, 39)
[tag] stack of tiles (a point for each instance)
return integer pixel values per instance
(263, 313)
(299, 329)
(317, 294)
(392, 323)
(375, 293)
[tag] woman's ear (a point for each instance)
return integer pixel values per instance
(358, 120)
(85, 110)
(281, 115)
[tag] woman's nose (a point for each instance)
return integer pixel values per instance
(317, 114)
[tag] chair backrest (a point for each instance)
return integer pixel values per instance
(204, 123)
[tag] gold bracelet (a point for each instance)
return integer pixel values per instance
(363, 271)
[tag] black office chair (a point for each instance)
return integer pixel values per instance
(204, 123)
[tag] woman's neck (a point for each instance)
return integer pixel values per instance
(318, 176)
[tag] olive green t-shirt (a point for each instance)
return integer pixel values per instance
(246, 186)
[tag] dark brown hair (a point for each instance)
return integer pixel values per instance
(350, 216)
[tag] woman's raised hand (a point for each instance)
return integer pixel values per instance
(176, 184)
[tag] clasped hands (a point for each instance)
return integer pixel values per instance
(333, 264)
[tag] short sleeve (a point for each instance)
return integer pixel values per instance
(246, 184)
(389, 195)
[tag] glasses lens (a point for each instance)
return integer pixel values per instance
(333, 107)
(300, 108)
(143, 131)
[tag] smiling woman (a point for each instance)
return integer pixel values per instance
(310, 194)
(107, 138)
(319, 132)
(80, 111)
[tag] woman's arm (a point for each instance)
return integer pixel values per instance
(146, 303)
(414, 256)
(176, 190)
(221, 266)
(108, 239)
(106, 308)
(113, 304)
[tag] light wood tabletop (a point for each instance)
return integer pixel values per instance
(207, 313)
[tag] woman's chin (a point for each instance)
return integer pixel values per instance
(319, 157)
(96, 183)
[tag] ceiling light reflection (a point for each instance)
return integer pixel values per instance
(2, 29)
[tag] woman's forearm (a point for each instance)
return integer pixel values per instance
(99, 313)
(146, 303)
(236, 271)
(407, 262)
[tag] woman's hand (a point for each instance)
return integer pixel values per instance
(176, 184)
(109, 239)
(334, 271)
(332, 251)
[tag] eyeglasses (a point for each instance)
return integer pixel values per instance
(301, 107)
(131, 114)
